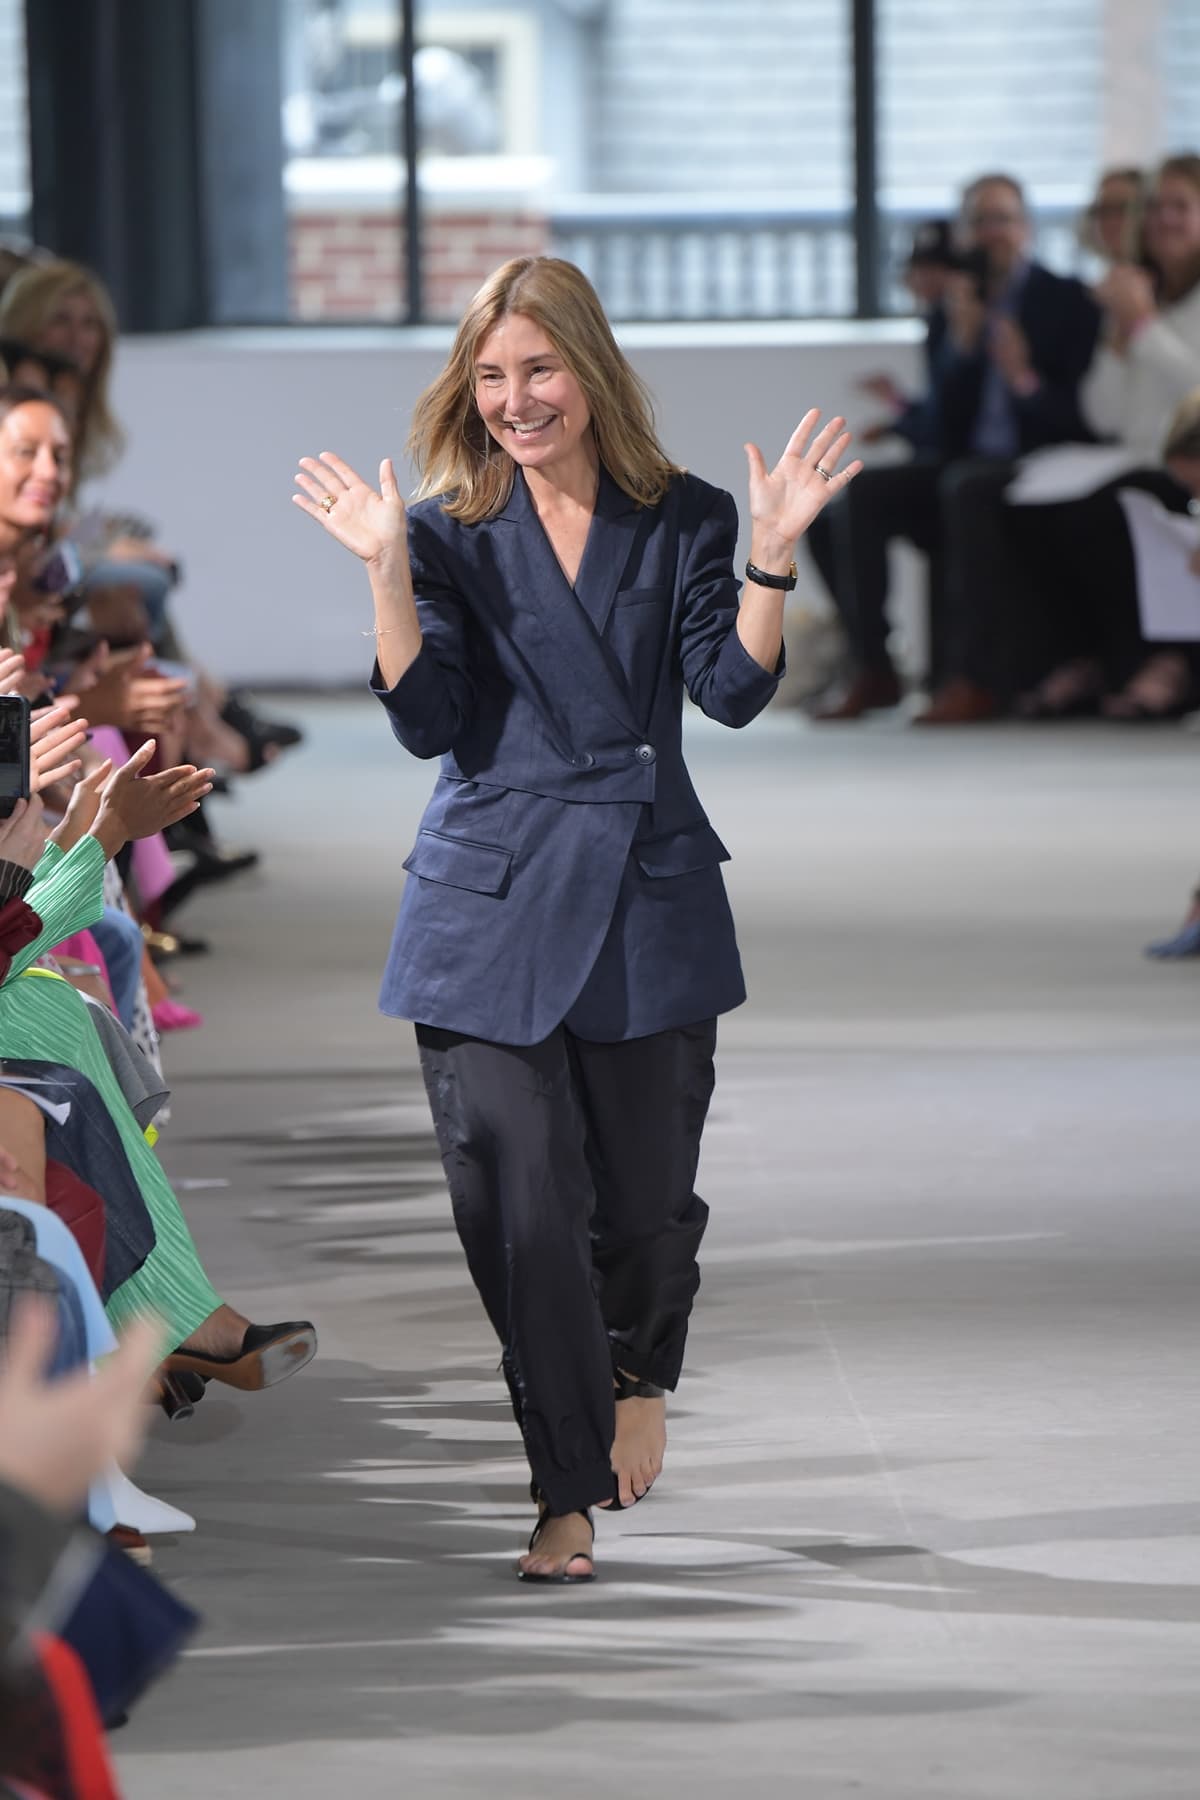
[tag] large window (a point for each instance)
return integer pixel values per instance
(371, 160)
(14, 133)
(695, 171)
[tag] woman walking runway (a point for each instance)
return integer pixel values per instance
(564, 944)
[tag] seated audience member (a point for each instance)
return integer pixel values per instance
(1181, 453)
(1076, 547)
(81, 1634)
(47, 1021)
(1018, 340)
(1111, 226)
(911, 418)
(932, 260)
(60, 310)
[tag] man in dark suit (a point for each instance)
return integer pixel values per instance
(1010, 350)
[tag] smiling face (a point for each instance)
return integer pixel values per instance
(527, 397)
(75, 328)
(35, 467)
(1112, 213)
(1173, 223)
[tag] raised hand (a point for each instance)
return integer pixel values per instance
(56, 1435)
(54, 737)
(83, 806)
(785, 500)
(23, 834)
(367, 521)
(133, 805)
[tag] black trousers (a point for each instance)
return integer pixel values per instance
(1080, 559)
(571, 1167)
(955, 512)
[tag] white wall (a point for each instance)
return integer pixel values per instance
(216, 422)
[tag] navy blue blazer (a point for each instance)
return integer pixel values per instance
(564, 869)
(1061, 322)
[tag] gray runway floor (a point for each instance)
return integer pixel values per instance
(929, 1520)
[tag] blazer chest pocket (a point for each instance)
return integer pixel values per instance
(456, 862)
(647, 596)
(681, 852)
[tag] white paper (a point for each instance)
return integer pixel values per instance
(1168, 588)
(1064, 472)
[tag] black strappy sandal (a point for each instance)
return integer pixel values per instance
(562, 1579)
(631, 1387)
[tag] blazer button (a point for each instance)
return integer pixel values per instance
(585, 760)
(645, 753)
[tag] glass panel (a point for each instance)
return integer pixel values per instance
(343, 123)
(14, 123)
(965, 91)
(697, 168)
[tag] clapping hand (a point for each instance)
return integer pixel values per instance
(133, 805)
(54, 737)
(367, 521)
(785, 500)
(965, 312)
(1008, 348)
(23, 835)
(56, 1435)
(1127, 296)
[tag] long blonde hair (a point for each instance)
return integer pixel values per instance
(454, 452)
(1184, 167)
(25, 307)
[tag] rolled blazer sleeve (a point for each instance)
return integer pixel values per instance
(434, 699)
(719, 672)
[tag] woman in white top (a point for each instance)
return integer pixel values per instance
(1148, 361)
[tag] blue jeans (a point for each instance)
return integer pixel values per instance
(120, 941)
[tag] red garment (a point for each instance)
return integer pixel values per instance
(19, 925)
(63, 1754)
(81, 1208)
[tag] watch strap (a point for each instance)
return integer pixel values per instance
(760, 578)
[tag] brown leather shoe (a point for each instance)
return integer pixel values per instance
(960, 702)
(872, 691)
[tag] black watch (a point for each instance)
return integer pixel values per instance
(761, 579)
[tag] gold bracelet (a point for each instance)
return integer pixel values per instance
(382, 631)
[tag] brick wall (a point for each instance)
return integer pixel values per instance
(350, 265)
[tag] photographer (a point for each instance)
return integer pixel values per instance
(1006, 380)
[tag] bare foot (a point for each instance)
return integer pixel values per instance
(563, 1546)
(221, 1333)
(639, 1446)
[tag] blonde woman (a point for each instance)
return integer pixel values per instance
(63, 309)
(564, 942)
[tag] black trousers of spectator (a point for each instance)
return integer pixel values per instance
(571, 1167)
(1080, 560)
(955, 512)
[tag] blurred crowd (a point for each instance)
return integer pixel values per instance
(128, 739)
(1047, 403)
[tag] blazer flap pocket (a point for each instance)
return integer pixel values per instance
(458, 863)
(645, 596)
(681, 852)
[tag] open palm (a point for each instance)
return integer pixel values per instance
(786, 499)
(368, 521)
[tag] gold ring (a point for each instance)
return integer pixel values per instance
(824, 473)
(329, 501)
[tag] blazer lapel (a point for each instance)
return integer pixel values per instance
(610, 542)
(567, 615)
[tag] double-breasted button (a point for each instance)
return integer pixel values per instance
(645, 753)
(585, 760)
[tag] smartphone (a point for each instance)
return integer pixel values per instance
(14, 752)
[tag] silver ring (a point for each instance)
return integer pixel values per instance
(823, 473)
